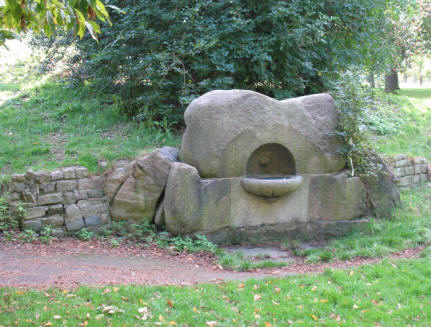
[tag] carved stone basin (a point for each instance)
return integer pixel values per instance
(271, 186)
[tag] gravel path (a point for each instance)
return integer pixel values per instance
(69, 263)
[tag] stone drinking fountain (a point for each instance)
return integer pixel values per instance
(253, 169)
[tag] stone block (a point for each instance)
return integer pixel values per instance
(95, 193)
(416, 179)
(42, 177)
(56, 175)
(29, 197)
(69, 197)
(405, 181)
(69, 173)
(85, 184)
(410, 170)
(424, 168)
(35, 212)
(14, 196)
(30, 175)
(57, 232)
(74, 224)
(424, 177)
(65, 186)
(81, 172)
(17, 187)
(72, 212)
(54, 209)
(115, 180)
(35, 224)
(399, 172)
(336, 197)
(47, 187)
(53, 198)
(18, 178)
(93, 220)
(81, 195)
(418, 160)
(92, 207)
(400, 157)
(402, 163)
(54, 221)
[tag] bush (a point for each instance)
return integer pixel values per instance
(162, 54)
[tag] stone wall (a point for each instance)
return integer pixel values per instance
(410, 172)
(67, 199)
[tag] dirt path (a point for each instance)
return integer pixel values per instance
(70, 263)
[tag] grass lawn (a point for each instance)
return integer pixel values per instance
(411, 117)
(46, 124)
(393, 293)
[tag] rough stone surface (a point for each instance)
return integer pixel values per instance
(409, 172)
(382, 192)
(115, 179)
(53, 198)
(215, 206)
(159, 218)
(137, 198)
(224, 128)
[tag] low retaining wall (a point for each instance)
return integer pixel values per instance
(410, 172)
(66, 199)
(69, 199)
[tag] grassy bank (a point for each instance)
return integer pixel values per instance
(45, 124)
(408, 124)
(394, 293)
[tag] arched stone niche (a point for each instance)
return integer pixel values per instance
(270, 159)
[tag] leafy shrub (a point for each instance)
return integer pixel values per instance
(28, 236)
(84, 234)
(46, 234)
(162, 54)
(7, 221)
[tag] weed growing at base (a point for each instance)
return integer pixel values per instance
(393, 293)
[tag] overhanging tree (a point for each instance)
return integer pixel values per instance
(46, 16)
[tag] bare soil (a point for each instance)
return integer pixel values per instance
(68, 263)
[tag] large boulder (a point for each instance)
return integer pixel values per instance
(224, 129)
(135, 190)
(382, 193)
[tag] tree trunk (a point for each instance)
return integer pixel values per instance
(391, 81)
(371, 80)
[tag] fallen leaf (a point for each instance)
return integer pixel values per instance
(314, 288)
(99, 317)
(170, 303)
(257, 297)
(115, 289)
(241, 285)
(56, 317)
(48, 323)
(324, 301)
(20, 292)
(211, 323)
(355, 306)
(277, 290)
(267, 324)
(106, 291)
(84, 323)
(195, 309)
(276, 303)
(314, 317)
(64, 291)
(172, 323)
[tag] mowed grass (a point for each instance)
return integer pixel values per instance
(45, 124)
(412, 113)
(392, 293)
(409, 227)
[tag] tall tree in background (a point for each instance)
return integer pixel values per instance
(405, 21)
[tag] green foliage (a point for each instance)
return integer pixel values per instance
(163, 54)
(50, 15)
(360, 119)
(199, 244)
(46, 234)
(7, 221)
(84, 234)
(27, 236)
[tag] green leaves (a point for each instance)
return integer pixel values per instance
(50, 15)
